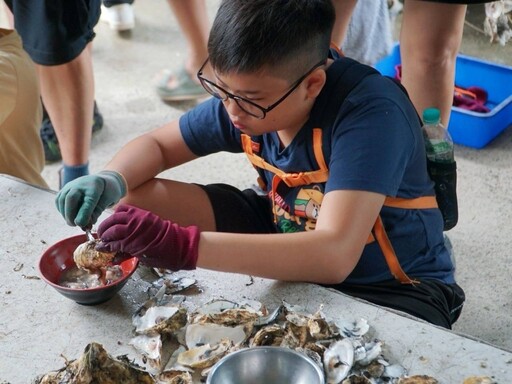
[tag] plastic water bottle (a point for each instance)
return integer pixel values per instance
(438, 142)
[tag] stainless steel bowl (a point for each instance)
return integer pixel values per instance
(265, 365)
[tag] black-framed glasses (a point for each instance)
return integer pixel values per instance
(244, 104)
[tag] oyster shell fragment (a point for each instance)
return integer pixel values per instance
(418, 379)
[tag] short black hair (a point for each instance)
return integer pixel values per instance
(288, 36)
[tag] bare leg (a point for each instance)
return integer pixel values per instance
(193, 20)
(429, 42)
(344, 9)
(185, 204)
(68, 95)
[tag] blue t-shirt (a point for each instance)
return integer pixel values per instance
(373, 143)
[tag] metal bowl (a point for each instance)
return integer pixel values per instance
(264, 365)
(59, 257)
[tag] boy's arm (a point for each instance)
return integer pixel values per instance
(326, 255)
(146, 156)
(82, 200)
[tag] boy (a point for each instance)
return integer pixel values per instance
(328, 169)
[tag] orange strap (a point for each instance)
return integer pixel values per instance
(423, 202)
(321, 175)
(389, 253)
(292, 179)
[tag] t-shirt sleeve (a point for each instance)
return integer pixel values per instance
(371, 147)
(207, 129)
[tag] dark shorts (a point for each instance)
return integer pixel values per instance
(55, 31)
(433, 301)
(240, 211)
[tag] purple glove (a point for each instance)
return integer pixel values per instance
(156, 242)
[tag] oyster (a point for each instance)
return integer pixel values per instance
(88, 258)
(96, 366)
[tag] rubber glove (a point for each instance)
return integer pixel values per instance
(156, 242)
(81, 201)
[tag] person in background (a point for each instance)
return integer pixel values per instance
(348, 201)
(118, 14)
(366, 37)
(183, 84)
(57, 36)
(21, 151)
(430, 38)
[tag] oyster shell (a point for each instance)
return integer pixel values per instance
(149, 346)
(198, 334)
(174, 377)
(271, 335)
(160, 320)
(96, 366)
(479, 380)
(338, 360)
(88, 258)
(356, 379)
(204, 356)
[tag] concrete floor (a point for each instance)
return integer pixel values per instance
(125, 66)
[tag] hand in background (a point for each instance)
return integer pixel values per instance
(156, 242)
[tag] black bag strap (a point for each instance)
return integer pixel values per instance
(347, 74)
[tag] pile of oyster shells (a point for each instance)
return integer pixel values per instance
(178, 343)
(202, 336)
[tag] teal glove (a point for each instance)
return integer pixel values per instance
(82, 200)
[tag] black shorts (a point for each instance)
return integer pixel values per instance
(55, 31)
(248, 212)
(239, 211)
(431, 300)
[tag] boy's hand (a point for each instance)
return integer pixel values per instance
(81, 201)
(156, 242)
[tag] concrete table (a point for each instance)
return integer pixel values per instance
(39, 327)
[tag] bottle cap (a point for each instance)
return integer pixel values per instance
(431, 115)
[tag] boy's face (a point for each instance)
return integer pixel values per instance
(259, 103)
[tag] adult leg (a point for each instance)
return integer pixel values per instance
(429, 42)
(21, 151)
(192, 18)
(193, 21)
(344, 9)
(68, 95)
(57, 35)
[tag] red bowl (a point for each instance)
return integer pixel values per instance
(59, 257)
